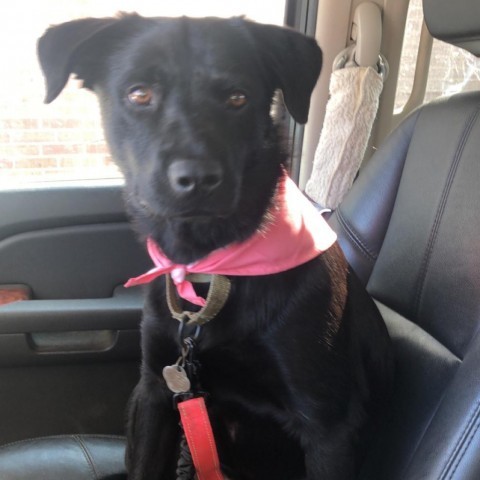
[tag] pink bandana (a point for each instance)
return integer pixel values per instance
(295, 233)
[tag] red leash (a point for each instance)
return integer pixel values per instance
(198, 431)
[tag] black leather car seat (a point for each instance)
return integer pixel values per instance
(65, 457)
(411, 229)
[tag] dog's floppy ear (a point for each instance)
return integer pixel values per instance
(77, 47)
(293, 60)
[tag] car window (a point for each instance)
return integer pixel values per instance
(451, 69)
(63, 141)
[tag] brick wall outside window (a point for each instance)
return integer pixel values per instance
(59, 146)
(64, 140)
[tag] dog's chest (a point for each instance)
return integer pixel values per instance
(244, 370)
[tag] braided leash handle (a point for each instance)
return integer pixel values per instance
(185, 469)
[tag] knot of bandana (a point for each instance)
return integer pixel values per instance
(294, 234)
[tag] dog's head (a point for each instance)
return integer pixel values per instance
(186, 112)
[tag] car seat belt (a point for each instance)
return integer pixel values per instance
(355, 87)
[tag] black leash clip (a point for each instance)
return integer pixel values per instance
(181, 397)
(186, 330)
(182, 378)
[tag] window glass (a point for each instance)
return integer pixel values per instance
(451, 70)
(63, 141)
(411, 41)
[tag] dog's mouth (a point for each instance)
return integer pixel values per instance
(185, 216)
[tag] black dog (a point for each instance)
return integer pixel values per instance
(296, 364)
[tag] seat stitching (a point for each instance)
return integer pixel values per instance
(76, 438)
(420, 287)
(87, 456)
(462, 444)
(355, 237)
(465, 449)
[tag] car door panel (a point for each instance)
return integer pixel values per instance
(69, 355)
(64, 398)
(87, 261)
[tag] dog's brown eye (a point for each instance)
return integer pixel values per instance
(141, 96)
(237, 100)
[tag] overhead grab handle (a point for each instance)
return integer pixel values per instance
(366, 35)
(350, 111)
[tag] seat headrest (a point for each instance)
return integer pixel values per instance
(454, 21)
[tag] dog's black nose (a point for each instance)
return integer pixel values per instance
(186, 176)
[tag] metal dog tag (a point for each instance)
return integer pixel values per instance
(176, 378)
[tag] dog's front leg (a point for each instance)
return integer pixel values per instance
(153, 432)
